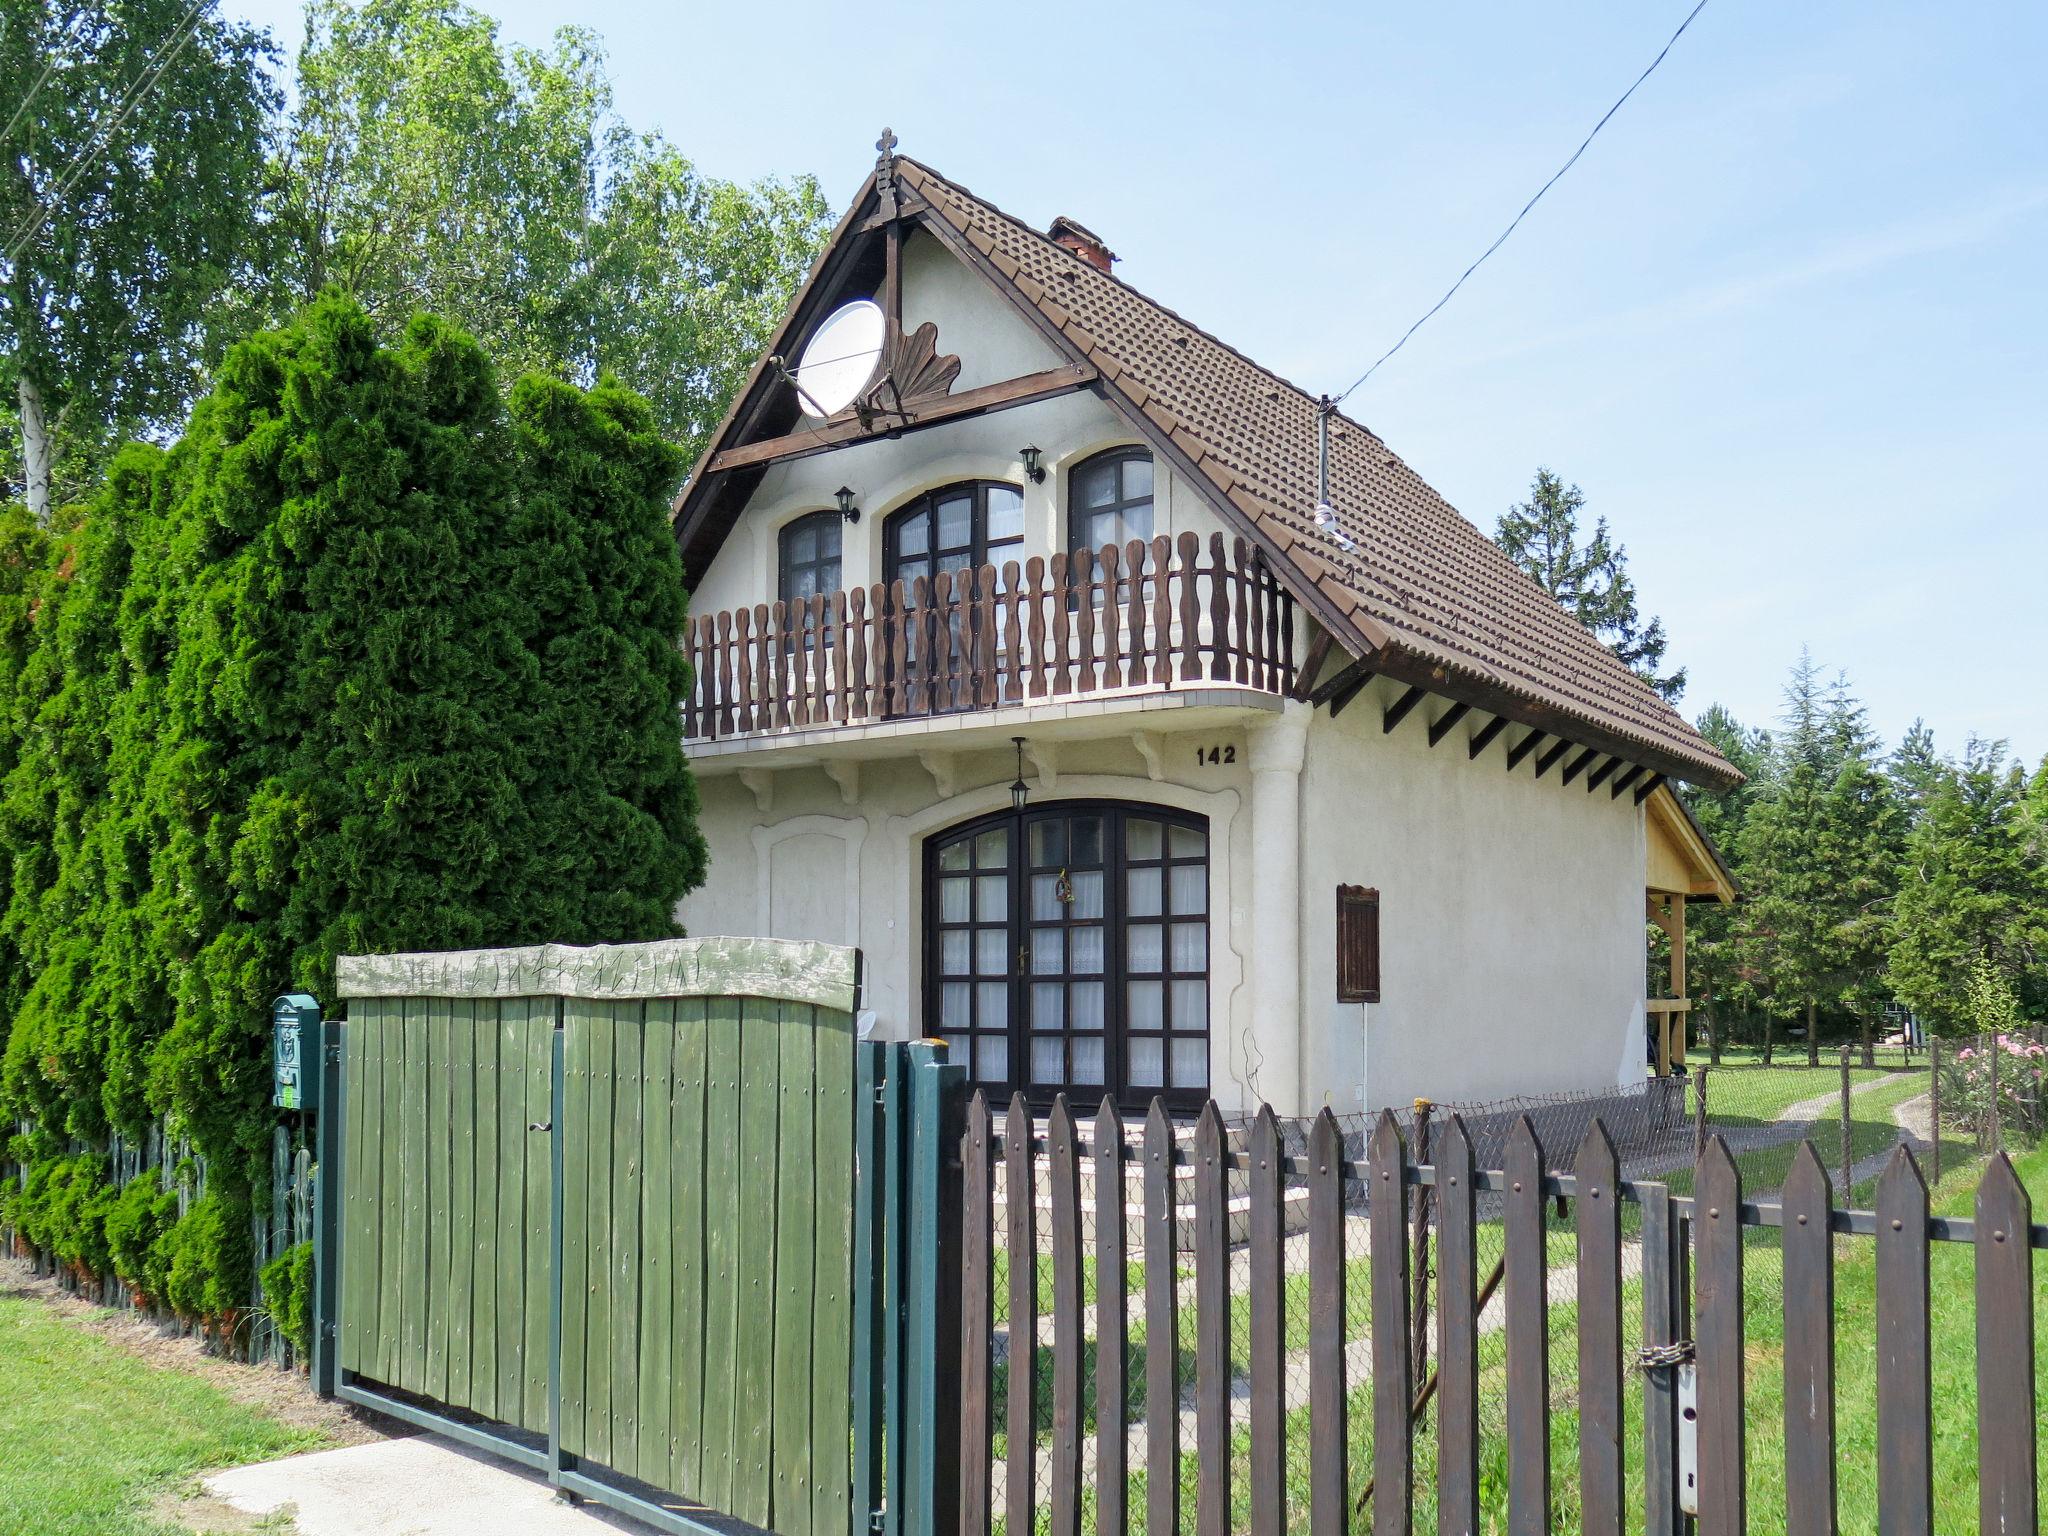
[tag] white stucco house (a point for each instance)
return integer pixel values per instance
(1152, 728)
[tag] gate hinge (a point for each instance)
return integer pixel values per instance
(328, 1329)
(334, 1054)
(875, 1519)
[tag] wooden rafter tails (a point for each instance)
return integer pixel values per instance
(1578, 764)
(1649, 788)
(1622, 783)
(1318, 652)
(1397, 711)
(1549, 755)
(1346, 682)
(1348, 692)
(1483, 737)
(1522, 748)
(1032, 387)
(1599, 775)
(1440, 727)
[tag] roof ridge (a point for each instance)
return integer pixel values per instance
(1138, 293)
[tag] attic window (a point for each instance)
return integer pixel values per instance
(1358, 944)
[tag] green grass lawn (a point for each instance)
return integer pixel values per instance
(93, 1435)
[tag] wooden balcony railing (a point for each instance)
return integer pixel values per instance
(1141, 618)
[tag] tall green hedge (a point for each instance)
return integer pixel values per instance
(366, 661)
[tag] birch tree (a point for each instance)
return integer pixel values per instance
(131, 159)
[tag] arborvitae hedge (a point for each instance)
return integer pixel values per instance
(364, 662)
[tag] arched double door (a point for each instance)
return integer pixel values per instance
(1067, 948)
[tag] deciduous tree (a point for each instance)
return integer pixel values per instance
(128, 184)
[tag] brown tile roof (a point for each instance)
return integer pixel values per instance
(1422, 585)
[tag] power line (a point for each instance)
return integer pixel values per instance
(50, 67)
(151, 73)
(1502, 238)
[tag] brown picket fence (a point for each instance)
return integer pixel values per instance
(1584, 1360)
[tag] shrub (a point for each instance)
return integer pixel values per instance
(288, 1293)
(138, 1219)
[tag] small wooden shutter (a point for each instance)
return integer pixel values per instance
(1358, 944)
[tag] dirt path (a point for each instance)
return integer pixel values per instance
(284, 1395)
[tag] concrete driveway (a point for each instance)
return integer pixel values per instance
(421, 1485)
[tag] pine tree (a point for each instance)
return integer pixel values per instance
(1971, 888)
(1591, 582)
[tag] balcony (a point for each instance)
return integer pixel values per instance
(1136, 621)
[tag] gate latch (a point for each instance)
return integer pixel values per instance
(541, 1125)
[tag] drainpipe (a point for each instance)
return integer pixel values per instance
(1277, 746)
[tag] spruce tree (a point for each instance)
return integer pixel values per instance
(1818, 852)
(1590, 581)
(1716, 974)
(1971, 888)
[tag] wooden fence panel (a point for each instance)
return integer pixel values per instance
(1112, 1326)
(1329, 1455)
(1528, 1346)
(1393, 1451)
(1717, 1235)
(1905, 1385)
(1809, 1290)
(1212, 1326)
(425, 1152)
(1020, 1211)
(2007, 1496)
(1599, 1279)
(1457, 1459)
(1162, 1329)
(977, 1319)
(1063, 1172)
(1268, 1352)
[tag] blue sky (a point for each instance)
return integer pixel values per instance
(1785, 322)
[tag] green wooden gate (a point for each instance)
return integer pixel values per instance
(648, 1218)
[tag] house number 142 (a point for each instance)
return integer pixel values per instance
(1215, 755)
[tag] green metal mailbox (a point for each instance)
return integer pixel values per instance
(295, 1051)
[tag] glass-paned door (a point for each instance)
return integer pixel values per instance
(1067, 949)
(953, 531)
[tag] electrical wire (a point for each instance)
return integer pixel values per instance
(1502, 238)
(145, 82)
(49, 68)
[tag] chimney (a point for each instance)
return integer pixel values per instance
(1084, 243)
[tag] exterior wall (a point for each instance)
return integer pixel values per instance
(1511, 910)
(813, 866)
(1511, 918)
(993, 344)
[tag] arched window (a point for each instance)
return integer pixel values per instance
(1109, 499)
(808, 557)
(1067, 946)
(978, 522)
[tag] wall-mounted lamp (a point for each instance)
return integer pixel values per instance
(1032, 468)
(847, 509)
(1019, 791)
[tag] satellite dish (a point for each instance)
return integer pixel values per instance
(840, 357)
